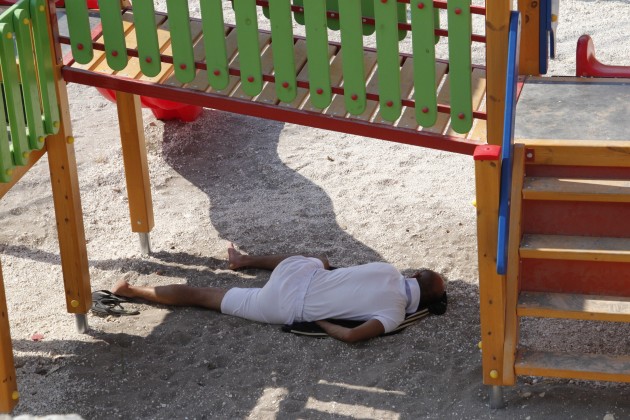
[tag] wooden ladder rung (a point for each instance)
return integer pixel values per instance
(580, 248)
(574, 306)
(579, 366)
(568, 189)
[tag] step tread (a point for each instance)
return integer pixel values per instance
(579, 366)
(588, 248)
(550, 188)
(574, 306)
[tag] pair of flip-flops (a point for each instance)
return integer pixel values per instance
(105, 302)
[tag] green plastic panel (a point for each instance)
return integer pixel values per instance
(45, 66)
(214, 43)
(79, 29)
(30, 88)
(333, 6)
(460, 72)
(299, 17)
(6, 161)
(146, 37)
(317, 53)
(353, 63)
(388, 59)
(283, 55)
(181, 40)
(422, 33)
(113, 34)
(13, 94)
(248, 46)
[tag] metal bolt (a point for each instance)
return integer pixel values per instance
(285, 85)
(217, 72)
(41, 139)
(9, 35)
(26, 21)
(9, 172)
(421, 6)
(250, 79)
(530, 155)
(461, 116)
(458, 11)
(74, 303)
(183, 66)
(390, 104)
(425, 110)
(114, 53)
(70, 139)
(355, 97)
(148, 59)
(25, 155)
(15, 395)
(320, 91)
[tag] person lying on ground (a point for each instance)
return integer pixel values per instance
(306, 289)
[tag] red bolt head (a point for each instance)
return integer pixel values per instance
(183, 66)
(80, 46)
(354, 97)
(420, 5)
(425, 110)
(390, 104)
(320, 91)
(285, 85)
(114, 53)
(217, 72)
(458, 11)
(383, 1)
(148, 59)
(461, 116)
(250, 79)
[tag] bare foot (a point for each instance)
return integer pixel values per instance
(236, 260)
(122, 288)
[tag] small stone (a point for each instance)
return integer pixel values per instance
(609, 416)
(527, 394)
(542, 394)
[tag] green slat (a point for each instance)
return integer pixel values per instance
(402, 18)
(113, 34)
(317, 53)
(214, 43)
(30, 89)
(353, 64)
(283, 55)
(460, 73)
(367, 10)
(387, 58)
(249, 49)
(181, 40)
(79, 28)
(13, 95)
(299, 17)
(6, 161)
(45, 66)
(146, 35)
(436, 23)
(422, 34)
(333, 6)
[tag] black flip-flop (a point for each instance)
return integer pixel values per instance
(109, 307)
(106, 294)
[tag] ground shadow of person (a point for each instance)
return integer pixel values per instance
(256, 200)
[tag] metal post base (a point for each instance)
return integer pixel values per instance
(81, 322)
(496, 397)
(145, 243)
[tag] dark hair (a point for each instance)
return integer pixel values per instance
(432, 291)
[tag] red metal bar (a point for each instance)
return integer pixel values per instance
(272, 112)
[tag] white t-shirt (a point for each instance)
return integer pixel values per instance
(364, 292)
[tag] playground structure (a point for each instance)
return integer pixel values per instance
(531, 248)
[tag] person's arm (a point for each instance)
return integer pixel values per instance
(369, 329)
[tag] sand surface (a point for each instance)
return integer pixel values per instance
(273, 187)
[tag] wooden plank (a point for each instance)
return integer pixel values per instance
(580, 248)
(595, 367)
(478, 94)
(19, 171)
(98, 62)
(491, 284)
(408, 118)
(572, 189)
(578, 152)
(497, 27)
(574, 306)
(135, 160)
(513, 265)
(8, 385)
(530, 35)
(480, 129)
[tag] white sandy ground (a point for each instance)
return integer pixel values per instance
(273, 187)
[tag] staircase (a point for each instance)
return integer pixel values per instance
(568, 251)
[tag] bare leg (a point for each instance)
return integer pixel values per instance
(174, 294)
(238, 260)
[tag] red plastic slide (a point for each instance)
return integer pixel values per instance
(161, 108)
(587, 65)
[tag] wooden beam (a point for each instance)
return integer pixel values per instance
(529, 58)
(134, 152)
(577, 152)
(513, 267)
(595, 367)
(497, 29)
(20, 171)
(491, 284)
(575, 248)
(8, 386)
(574, 189)
(574, 306)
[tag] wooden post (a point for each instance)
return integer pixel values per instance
(135, 159)
(65, 190)
(491, 284)
(529, 58)
(497, 30)
(8, 386)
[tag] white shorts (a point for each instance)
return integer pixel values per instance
(281, 300)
